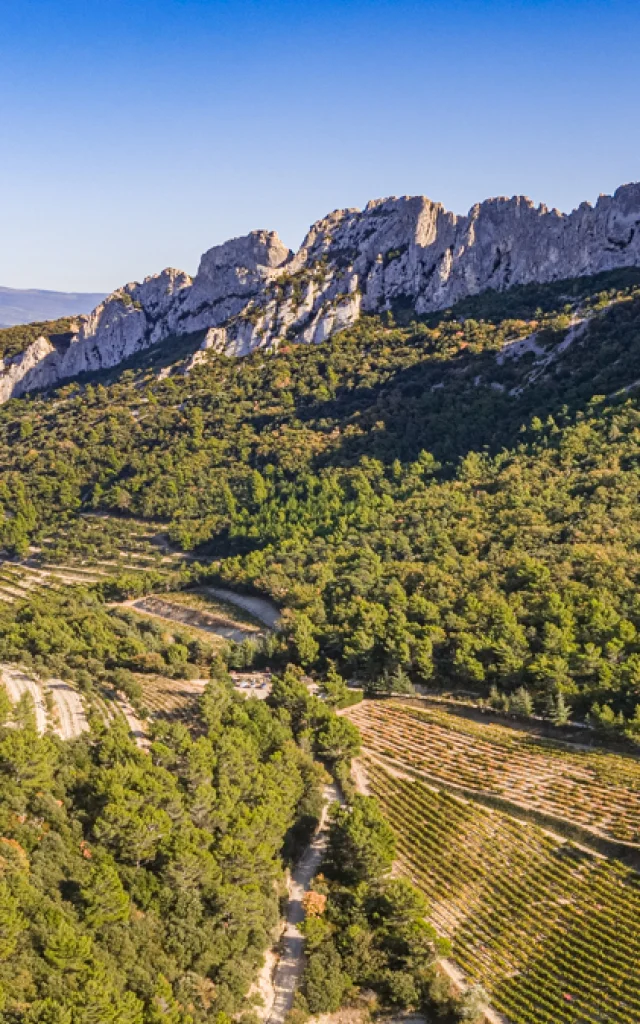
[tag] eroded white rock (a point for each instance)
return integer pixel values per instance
(253, 292)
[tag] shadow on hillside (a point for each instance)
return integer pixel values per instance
(464, 404)
(151, 357)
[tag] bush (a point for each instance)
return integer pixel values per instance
(353, 697)
(324, 980)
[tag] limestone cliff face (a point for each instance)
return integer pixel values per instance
(253, 292)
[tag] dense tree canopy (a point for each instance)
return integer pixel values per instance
(137, 888)
(427, 501)
(416, 502)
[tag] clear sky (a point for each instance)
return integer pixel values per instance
(135, 135)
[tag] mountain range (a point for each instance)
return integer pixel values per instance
(405, 253)
(24, 305)
(445, 495)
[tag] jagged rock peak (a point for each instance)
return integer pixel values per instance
(253, 251)
(253, 292)
(238, 268)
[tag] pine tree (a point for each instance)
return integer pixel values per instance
(400, 683)
(12, 922)
(495, 698)
(5, 705)
(472, 1004)
(561, 713)
(333, 687)
(521, 702)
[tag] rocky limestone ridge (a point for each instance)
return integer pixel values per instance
(254, 292)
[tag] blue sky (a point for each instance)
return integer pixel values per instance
(135, 135)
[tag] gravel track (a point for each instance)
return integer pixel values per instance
(263, 610)
(290, 966)
(173, 612)
(17, 684)
(72, 718)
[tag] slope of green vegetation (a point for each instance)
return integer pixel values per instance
(71, 633)
(143, 888)
(414, 501)
(14, 340)
(425, 500)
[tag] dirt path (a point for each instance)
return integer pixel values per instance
(455, 975)
(291, 963)
(262, 609)
(136, 726)
(167, 611)
(193, 617)
(69, 718)
(72, 718)
(359, 776)
(18, 683)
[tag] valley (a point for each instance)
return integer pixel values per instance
(199, 555)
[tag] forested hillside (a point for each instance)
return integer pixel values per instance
(455, 496)
(450, 500)
(137, 887)
(143, 886)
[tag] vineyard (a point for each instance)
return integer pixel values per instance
(597, 790)
(110, 544)
(17, 581)
(96, 548)
(550, 930)
(169, 698)
(99, 548)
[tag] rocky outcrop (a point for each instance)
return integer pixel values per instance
(253, 292)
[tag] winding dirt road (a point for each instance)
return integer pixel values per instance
(259, 607)
(173, 612)
(291, 963)
(69, 717)
(18, 683)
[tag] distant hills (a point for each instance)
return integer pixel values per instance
(24, 305)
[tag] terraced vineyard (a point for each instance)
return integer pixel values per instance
(116, 547)
(597, 790)
(550, 930)
(110, 542)
(17, 581)
(169, 698)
